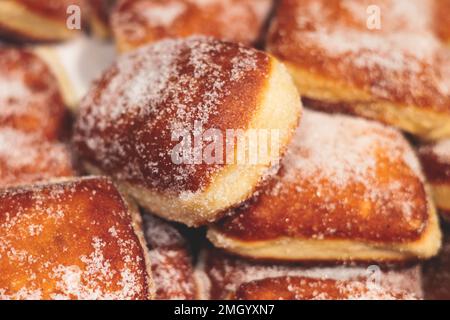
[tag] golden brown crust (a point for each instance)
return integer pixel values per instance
(139, 22)
(154, 100)
(126, 111)
(230, 278)
(25, 159)
(337, 59)
(343, 178)
(171, 261)
(29, 95)
(301, 288)
(69, 240)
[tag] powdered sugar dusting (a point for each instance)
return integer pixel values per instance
(227, 274)
(128, 112)
(162, 14)
(25, 158)
(343, 149)
(396, 60)
(172, 269)
(54, 244)
(232, 20)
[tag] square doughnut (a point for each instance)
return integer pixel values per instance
(38, 20)
(30, 100)
(74, 239)
(435, 159)
(227, 277)
(25, 158)
(136, 123)
(171, 259)
(383, 59)
(348, 189)
(139, 22)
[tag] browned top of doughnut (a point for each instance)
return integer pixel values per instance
(172, 269)
(25, 158)
(232, 277)
(401, 62)
(342, 178)
(69, 240)
(138, 22)
(50, 8)
(29, 95)
(125, 123)
(301, 288)
(435, 159)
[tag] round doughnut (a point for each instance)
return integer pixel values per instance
(29, 95)
(25, 159)
(160, 119)
(435, 159)
(171, 260)
(348, 189)
(38, 20)
(139, 22)
(341, 61)
(73, 239)
(227, 277)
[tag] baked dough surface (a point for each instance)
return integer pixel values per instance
(73, 239)
(136, 23)
(348, 189)
(398, 74)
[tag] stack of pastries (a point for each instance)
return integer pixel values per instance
(152, 188)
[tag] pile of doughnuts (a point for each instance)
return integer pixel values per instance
(292, 149)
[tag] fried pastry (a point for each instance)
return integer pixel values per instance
(39, 20)
(382, 59)
(171, 260)
(348, 189)
(29, 95)
(25, 159)
(170, 123)
(227, 277)
(139, 22)
(73, 239)
(436, 163)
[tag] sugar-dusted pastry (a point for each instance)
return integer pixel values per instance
(381, 59)
(348, 189)
(74, 239)
(139, 22)
(173, 121)
(25, 158)
(42, 20)
(227, 277)
(171, 260)
(29, 95)
(435, 159)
